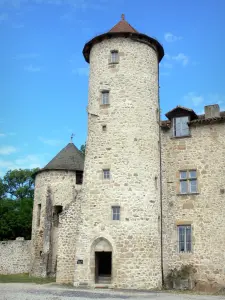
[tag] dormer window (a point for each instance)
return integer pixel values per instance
(180, 126)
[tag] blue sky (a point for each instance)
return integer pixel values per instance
(44, 78)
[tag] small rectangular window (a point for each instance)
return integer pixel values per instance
(105, 97)
(184, 238)
(38, 215)
(180, 126)
(79, 177)
(114, 56)
(116, 212)
(103, 127)
(106, 174)
(188, 182)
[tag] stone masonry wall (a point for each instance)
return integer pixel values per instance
(15, 256)
(54, 188)
(205, 211)
(129, 148)
(67, 240)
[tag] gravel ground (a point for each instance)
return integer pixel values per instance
(30, 291)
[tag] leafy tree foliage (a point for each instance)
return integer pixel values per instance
(16, 204)
(82, 149)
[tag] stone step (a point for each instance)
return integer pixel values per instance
(104, 279)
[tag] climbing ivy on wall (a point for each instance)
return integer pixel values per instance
(16, 204)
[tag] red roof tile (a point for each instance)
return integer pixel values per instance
(123, 26)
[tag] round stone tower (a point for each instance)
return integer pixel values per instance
(119, 236)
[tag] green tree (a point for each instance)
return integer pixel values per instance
(82, 149)
(16, 204)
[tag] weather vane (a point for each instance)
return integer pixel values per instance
(71, 138)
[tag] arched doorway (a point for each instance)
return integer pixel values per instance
(102, 261)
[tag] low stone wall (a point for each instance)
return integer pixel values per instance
(15, 256)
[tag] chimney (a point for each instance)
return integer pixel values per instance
(212, 111)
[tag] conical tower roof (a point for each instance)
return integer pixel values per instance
(69, 158)
(124, 29)
(123, 26)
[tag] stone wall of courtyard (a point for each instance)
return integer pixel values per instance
(15, 256)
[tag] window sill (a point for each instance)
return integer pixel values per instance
(104, 105)
(185, 253)
(188, 194)
(181, 137)
(113, 63)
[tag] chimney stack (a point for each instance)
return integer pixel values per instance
(212, 111)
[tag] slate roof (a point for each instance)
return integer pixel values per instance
(69, 158)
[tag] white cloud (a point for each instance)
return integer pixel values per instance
(193, 99)
(29, 161)
(2, 134)
(181, 58)
(81, 71)
(6, 150)
(32, 69)
(167, 65)
(50, 142)
(198, 101)
(3, 17)
(170, 37)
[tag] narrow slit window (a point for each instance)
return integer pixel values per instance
(116, 213)
(104, 127)
(56, 211)
(38, 215)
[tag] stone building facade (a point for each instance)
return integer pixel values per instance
(150, 195)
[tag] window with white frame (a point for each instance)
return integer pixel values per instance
(180, 126)
(116, 212)
(188, 182)
(105, 97)
(114, 56)
(184, 238)
(106, 174)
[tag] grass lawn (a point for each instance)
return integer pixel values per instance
(24, 278)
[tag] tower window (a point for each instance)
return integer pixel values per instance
(116, 212)
(188, 182)
(106, 174)
(184, 238)
(79, 177)
(38, 215)
(114, 56)
(104, 127)
(105, 97)
(180, 126)
(57, 209)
